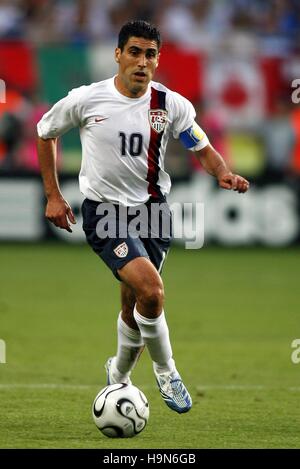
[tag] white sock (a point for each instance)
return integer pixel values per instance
(155, 334)
(130, 345)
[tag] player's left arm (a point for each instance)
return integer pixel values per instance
(215, 165)
(195, 140)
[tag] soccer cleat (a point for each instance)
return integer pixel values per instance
(173, 391)
(113, 375)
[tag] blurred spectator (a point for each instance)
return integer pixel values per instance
(187, 21)
(12, 115)
(278, 136)
(142, 9)
(10, 138)
(41, 21)
(68, 21)
(287, 17)
(11, 19)
(196, 24)
(27, 154)
(18, 118)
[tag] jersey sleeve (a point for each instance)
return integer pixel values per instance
(184, 126)
(183, 114)
(63, 116)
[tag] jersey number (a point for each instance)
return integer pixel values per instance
(135, 144)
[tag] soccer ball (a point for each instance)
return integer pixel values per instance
(120, 411)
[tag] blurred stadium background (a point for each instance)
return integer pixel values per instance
(236, 61)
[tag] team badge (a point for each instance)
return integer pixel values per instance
(121, 250)
(158, 119)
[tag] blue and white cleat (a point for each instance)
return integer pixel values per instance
(173, 391)
(113, 375)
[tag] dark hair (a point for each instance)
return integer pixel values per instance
(138, 28)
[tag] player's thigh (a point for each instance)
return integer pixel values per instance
(158, 241)
(116, 252)
(142, 277)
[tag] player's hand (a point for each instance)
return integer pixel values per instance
(234, 182)
(59, 212)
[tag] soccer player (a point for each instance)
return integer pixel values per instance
(125, 123)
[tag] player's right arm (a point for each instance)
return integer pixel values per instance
(63, 116)
(58, 211)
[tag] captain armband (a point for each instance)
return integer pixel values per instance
(194, 138)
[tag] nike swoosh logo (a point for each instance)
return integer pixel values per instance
(100, 119)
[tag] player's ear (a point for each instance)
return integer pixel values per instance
(157, 60)
(117, 54)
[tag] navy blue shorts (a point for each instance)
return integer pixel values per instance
(120, 234)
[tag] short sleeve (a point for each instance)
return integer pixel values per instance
(184, 114)
(63, 116)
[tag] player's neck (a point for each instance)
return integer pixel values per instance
(129, 93)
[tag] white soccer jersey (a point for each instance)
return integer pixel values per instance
(123, 139)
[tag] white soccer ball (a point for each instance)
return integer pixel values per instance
(120, 411)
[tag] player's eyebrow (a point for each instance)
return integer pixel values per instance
(139, 49)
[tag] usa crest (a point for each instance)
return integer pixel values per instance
(158, 119)
(121, 250)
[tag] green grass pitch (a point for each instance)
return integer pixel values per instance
(232, 313)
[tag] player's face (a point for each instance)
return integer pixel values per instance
(137, 64)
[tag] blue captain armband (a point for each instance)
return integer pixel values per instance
(191, 137)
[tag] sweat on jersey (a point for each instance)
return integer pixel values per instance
(123, 139)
